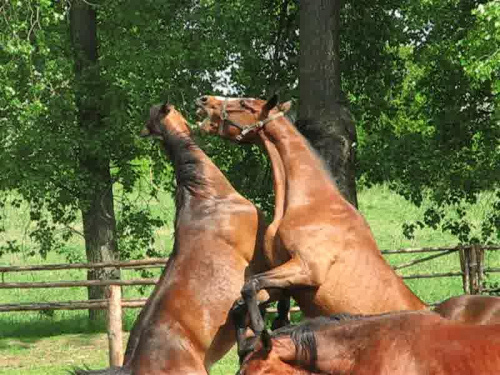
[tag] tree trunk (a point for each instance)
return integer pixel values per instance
(96, 198)
(324, 117)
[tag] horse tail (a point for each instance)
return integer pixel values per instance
(108, 371)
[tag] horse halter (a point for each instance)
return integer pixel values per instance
(243, 130)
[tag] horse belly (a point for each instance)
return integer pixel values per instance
(364, 285)
(200, 294)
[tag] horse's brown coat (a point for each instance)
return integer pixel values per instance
(318, 239)
(321, 241)
(184, 327)
(217, 233)
(403, 343)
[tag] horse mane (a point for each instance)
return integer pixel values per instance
(310, 127)
(188, 169)
(313, 133)
(304, 338)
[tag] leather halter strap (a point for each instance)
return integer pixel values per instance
(244, 129)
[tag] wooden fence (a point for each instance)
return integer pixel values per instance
(472, 271)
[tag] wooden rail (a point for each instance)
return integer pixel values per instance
(138, 264)
(471, 262)
(72, 284)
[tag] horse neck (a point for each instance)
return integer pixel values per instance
(331, 347)
(300, 163)
(209, 182)
(341, 344)
(278, 178)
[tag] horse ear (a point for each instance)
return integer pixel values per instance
(267, 343)
(166, 108)
(270, 104)
(285, 107)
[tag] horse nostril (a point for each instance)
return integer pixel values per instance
(204, 99)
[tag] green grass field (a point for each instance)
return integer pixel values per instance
(51, 343)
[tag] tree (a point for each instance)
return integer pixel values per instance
(438, 135)
(325, 119)
(58, 139)
(96, 200)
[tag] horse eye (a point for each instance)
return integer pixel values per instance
(242, 103)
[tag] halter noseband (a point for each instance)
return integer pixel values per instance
(244, 130)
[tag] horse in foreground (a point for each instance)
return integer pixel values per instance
(409, 343)
(184, 327)
(319, 247)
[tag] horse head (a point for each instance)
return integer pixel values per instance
(164, 118)
(238, 119)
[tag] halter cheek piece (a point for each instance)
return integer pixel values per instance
(244, 130)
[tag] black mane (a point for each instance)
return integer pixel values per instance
(180, 149)
(188, 171)
(310, 129)
(187, 166)
(304, 339)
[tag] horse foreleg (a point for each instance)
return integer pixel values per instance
(293, 273)
(239, 315)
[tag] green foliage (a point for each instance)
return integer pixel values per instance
(481, 51)
(149, 52)
(437, 133)
(421, 79)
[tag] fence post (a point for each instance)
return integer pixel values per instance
(115, 335)
(464, 265)
(476, 268)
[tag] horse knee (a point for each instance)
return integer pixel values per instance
(250, 288)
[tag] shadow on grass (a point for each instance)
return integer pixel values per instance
(29, 327)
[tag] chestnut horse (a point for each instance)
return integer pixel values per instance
(318, 246)
(184, 328)
(409, 343)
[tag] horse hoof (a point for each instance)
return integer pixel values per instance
(238, 305)
(248, 347)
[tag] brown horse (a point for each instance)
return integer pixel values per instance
(184, 328)
(409, 343)
(318, 240)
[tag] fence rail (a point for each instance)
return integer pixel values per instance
(138, 264)
(471, 270)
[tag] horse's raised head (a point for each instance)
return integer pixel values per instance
(164, 117)
(238, 119)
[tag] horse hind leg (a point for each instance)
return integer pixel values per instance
(282, 319)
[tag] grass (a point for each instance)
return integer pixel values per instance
(43, 343)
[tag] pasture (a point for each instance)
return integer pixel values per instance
(52, 342)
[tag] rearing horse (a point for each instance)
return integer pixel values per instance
(319, 246)
(318, 239)
(184, 328)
